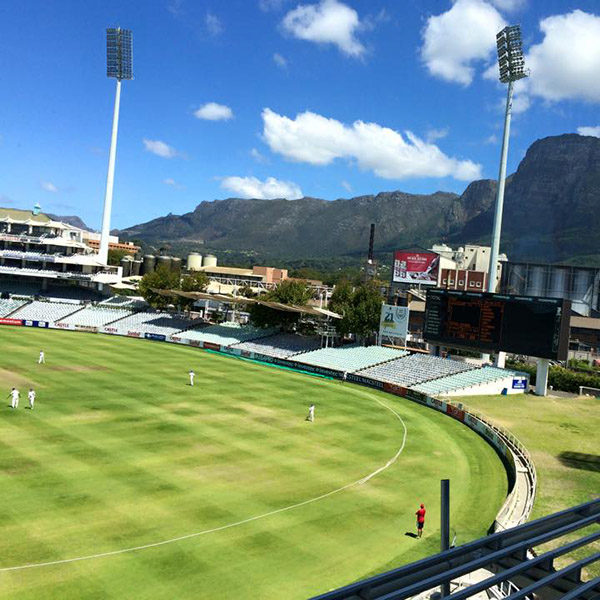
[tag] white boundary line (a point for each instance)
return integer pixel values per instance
(230, 525)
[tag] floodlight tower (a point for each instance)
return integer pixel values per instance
(119, 58)
(512, 68)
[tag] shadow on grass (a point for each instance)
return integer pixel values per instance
(580, 460)
(411, 534)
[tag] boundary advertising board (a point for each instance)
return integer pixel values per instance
(393, 321)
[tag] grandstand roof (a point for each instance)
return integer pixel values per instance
(309, 310)
(16, 215)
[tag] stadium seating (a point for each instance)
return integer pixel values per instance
(8, 306)
(132, 302)
(414, 369)
(350, 358)
(95, 316)
(157, 323)
(225, 334)
(45, 311)
(466, 379)
(280, 345)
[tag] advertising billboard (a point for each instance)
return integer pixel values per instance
(393, 321)
(416, 267)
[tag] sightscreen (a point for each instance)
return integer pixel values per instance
(495, 322)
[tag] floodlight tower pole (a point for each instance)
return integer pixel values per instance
(512, 68)
(110, 178)
(493, 267)
(118, 65)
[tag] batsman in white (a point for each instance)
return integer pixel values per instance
(31, 396)
(192, 375)
(42, 358)
(14, 398)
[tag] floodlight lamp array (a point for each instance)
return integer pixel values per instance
(119, 53)
(510, 54)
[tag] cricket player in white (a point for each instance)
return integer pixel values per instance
(192, 375)
(42, 358)
(31, 396)
(311, 413)
(14, 394)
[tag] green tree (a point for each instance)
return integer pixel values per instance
(290, 291)
(341, 303)
(366, 310)
(161, 279)
(115, 256)
(196, 281)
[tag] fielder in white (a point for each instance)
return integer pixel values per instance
(42, 358)
(31, 396)
(311, 413)
(192, 375)
(14, 395)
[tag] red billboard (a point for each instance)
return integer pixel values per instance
(416, 267)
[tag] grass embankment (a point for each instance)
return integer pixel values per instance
(562, 435)
(120, 451)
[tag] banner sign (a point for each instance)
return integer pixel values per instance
(88, 328)
(393, 321)
(416, 267)
(157, 337)
(211, 346)
(43, 324)
(519, 383)
(17, 322)
(374, 383)
(135, 334)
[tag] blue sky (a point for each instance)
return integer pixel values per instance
(272, 98)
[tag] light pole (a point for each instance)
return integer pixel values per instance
(119, 58)
(512, 68)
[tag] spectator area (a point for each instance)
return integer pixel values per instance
(8, 306)
(45, 311)
(350, 358)
(466, 379)
(416, 368)
(226, 334)
(95, 316)
(158, 323)
(281, 345)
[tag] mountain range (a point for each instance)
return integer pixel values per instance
(551, 214)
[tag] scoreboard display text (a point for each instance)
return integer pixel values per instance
(497, 322)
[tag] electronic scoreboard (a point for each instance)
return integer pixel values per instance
(496, 322)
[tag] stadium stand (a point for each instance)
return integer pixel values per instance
(465, 379)
(281, 345)
(8, 306)
(414, 369)
(350, 358)
(95, 316)
(158, 323)
(133, 302)
(226, 334)
(45, 311)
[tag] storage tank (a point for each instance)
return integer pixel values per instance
(194, 261)
(535, 281)
(163, 261)
(149, 264)
(175, 263)
(210, 260)
(136, 267)
(126, 265)
(558, 282)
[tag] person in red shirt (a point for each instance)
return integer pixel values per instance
(420, 520)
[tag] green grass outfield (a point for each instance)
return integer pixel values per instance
(562, 436)
(121, 452)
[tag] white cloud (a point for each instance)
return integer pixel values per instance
(593, 131)
(258, 157)
(213, 24)
(160, 148)
(169, 181)
(509, 5)
(347, 186)
(328, 22)
(251, 187)
(48, 186)
(280, 61)
(317, 140)
(268, 5)
(211, 111)
(565, 65)
(491, 139)
(436, 134)
(460, 37)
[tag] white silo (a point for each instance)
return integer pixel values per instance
(194, 261)
(210, 260)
